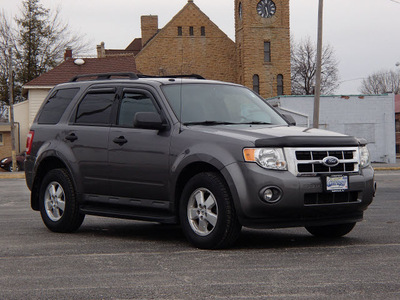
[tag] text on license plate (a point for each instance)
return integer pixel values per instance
(337, 183)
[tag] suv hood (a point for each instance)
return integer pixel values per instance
(281, 136)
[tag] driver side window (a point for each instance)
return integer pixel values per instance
(131, 104)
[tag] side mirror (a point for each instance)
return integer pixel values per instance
(148, 120)
(289, 119)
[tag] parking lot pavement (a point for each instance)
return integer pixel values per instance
(122, 259)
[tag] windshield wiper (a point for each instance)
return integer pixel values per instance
(256, 123)
(209, 123)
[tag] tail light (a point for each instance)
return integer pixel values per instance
(29, 141)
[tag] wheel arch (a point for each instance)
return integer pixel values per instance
(195, 168)
(47, 164)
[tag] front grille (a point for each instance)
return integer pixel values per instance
(330, 198)
(310, 161)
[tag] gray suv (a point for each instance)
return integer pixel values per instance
(209, 155)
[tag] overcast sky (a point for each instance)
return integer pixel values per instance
(364, 33)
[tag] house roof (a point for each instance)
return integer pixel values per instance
(397, 104)
(68, 69)
(135, 45)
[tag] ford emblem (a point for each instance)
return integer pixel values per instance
(330, 161)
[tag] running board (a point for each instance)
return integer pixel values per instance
(159, 216)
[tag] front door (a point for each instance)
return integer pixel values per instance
(138, 158)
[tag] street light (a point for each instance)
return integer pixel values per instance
(318, 71)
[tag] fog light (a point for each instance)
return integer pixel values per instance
(271, 194)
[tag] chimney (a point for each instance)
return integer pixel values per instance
(68, 53)
(101, 51)
(149, 28)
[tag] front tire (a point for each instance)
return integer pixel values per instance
(331, 231)
(207, 214)
(58, 202)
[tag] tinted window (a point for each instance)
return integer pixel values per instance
(95, 108)
(131, 104)
(55, 106)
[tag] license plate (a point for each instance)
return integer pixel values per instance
(337, 183)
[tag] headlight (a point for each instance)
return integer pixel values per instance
(364, 157)
(268, 158)
(3, 160)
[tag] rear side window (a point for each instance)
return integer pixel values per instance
(95, 108)
(55, 106)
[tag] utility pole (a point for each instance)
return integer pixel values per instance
(11, 99)
(318, 72)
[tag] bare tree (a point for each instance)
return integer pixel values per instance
(38, 38)
(303, 68)
(381, 82)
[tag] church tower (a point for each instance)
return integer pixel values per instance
(263, 46)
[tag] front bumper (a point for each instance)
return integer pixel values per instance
(304, 201)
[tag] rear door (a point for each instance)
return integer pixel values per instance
(139, 158)
(87, 136)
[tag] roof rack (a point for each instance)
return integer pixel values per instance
(103, 76)
(193, 76)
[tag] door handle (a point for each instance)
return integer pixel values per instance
(71, 137)
(120, 140)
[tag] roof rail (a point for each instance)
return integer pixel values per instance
(103, 76)
(194, 76)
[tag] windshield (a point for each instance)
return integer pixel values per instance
(212, 104)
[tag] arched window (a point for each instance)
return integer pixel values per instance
(256, 83)
(279, 80)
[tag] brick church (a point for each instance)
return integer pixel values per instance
(192, 44)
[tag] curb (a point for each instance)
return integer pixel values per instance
(17, 175)
(386, 168)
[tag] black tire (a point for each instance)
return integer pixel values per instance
(58, 202)
(10, 167)
(331, 231)
(214, 223)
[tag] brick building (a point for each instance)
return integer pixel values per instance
(191, 43)
(5, 139)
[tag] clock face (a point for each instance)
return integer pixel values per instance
(266, 8)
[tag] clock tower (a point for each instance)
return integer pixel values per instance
(263, 46)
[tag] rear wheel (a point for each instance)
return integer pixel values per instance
(331, 231)
(58, 203)
(207, 214)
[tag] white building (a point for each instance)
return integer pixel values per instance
(371, 117)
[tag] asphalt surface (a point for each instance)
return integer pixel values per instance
(122, 259)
